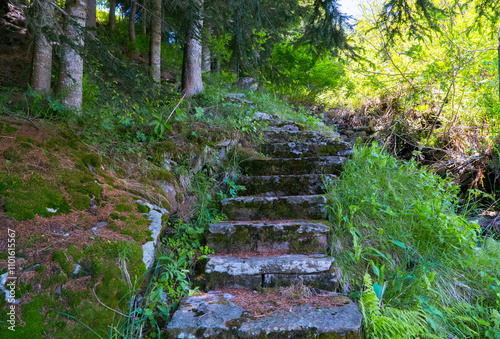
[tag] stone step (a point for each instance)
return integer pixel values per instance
(283, 185)
(294, 166)
(275, 208)
(258, 272)
(294, 136)
(306, 149)
(222, 315)
(292, 237)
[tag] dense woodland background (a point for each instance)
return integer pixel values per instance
(142, 85)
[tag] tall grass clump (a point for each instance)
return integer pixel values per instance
(396, 223)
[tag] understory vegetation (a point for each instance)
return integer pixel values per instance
(421, 270)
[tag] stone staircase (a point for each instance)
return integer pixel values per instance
(276, 238)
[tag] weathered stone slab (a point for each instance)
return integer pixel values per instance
(294, 237)
(283, 185)
(203, 316)
(324, 281)
(256, 272)
(305, 149)
(284, 264)
(297, 166)
(214, 316)
(277, 135)
(275, 208)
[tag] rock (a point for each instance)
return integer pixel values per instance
(238, 97)
(214, 316)
(277, 208)
(257, 272)
(155, 214)
(295, 237)
(262, 116)
(305, 149)
(282, 185)
(291, 166)
(293, 136)
(246, 83)
(203, 316)
(285, 264)
(77, 270)
(171, 195)
(361, 135)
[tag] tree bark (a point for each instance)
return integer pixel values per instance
(206, 64)
(155, 42)
(91, 13)
(192, 83)
(131, 21)
(71, 66)
(42, 55)
(112, 14)
(144, 18)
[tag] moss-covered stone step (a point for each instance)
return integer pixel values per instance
(306, 149)
(283, 185)
(276, 135)
(257, 272)
(293, 237)
(297, 166)
(222, 315)
(275, 208)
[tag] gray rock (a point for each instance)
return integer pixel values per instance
(212, 316)
(294, 237)
(246, 83)
(305, 149)
(282, 185)
(275, 208)
(78, 268)
(291, 166)
(285, 264)
(262, 116)
(203, 316)
(294, 136)
(155, 214)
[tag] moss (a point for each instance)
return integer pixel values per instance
(4, 255)
(32, 317)
(25, 199)
(92, 159)
(123, 218)
(79, 201)
(142, 208)
(25, 146)
(161, 174)
(123, 208)
(41, 269)
(113, 215)
(56, 279)
(66, 264)
(11, 154)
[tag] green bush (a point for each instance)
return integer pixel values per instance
(398, 222)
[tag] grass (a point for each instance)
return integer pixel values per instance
(398, 223)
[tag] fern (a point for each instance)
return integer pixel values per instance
(391, 323)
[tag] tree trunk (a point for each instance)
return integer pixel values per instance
(71, 66)
(144, 18)
(42, 54)
(91, 14)
(112, 14)
(192, 83)
(131, 21)
(206, 64)
(155, 42)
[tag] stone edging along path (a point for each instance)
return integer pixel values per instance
(275, 238)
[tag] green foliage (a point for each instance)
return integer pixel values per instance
(300, 76)
(398, 222)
